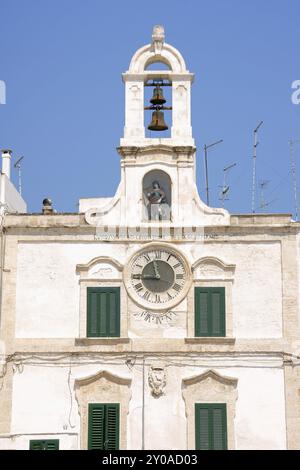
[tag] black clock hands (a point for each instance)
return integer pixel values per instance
(157, 275)
(144, 276)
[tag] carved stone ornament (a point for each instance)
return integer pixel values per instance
(158, 37)
(157, 380)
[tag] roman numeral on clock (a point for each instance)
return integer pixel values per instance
(146, 295)
(158, 254)
(177, 287)
(147, 258)
(179, 276)
(157, 298)
(176, 265)
(138, 287)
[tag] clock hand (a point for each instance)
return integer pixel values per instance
(156, 269)
(144, 276)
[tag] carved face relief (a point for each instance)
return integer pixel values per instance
(157, 380)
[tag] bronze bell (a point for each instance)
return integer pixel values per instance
(158, 122)
(158, 97)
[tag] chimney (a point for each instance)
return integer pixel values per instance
(6, 156)
(47, 207)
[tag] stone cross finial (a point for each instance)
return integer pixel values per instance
(158, 37)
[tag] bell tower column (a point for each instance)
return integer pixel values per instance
(134, 107)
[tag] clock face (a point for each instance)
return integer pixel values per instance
(157, 277)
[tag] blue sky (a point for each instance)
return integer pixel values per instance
(62, 61)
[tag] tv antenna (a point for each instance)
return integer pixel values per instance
(206, 147)
(18, 166)
(294, 174)
(263, 204)
(225, 187)
(255, 144)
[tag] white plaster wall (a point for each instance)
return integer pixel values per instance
(47, 298)
(298, 259)
(257, 287)
(260, 412)
(42, 404)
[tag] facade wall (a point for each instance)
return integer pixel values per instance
(48, 302)
(48, 352)
(44, 404)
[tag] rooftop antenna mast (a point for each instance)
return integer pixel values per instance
(18, 166)
(263, 202)
(294, 174)
(206, 147)
(225, 187)
(255, 144)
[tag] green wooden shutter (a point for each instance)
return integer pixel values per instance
(103, 312)
(103, 427)
(210, 311)
(219, 425)
(49, 444)
(202, 428)
(113, 320)
(211, 426)
(201, 312)
(96, 426)
(112, 427)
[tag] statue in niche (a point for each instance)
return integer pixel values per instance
(158, 208)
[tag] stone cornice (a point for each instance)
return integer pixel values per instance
(126, 151)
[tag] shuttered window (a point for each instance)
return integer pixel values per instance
(50, 444)
(210, 311)
(103, 312)
(103, 426)
(211, 426)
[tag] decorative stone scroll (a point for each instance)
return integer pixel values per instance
(157, 380)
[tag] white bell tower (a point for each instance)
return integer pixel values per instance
(158, 180)
(135, 79)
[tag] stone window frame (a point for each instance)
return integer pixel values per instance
(211, 272)
(209, 387)
(86, 279)
(103, 387)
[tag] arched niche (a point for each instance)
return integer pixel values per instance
(209, 387)
(157, 195)
(103, 387)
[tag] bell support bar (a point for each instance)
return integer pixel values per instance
(158, 82)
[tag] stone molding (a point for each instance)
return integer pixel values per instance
(212, 268)
(147, 55)
(84, 268)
